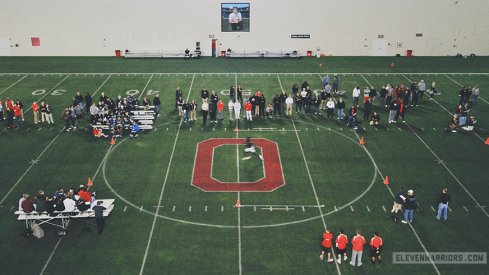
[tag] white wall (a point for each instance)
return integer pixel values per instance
(341, 27)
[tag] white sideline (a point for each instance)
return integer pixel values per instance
(250, 73)
(392, 195)
(310, 179)
(4, 90)
(163, 187)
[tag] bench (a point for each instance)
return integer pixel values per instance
(62, 216)
(263, 54)
(159, 54)
(143, 112)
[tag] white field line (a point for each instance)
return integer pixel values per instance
(462, 86)
(369, 84)
(310, 179)
(93, 179)
(51, 256)
(48, 92)
(410, 225)
(4, 90)
(448, 169)
(249, 73)
(146, 86)
(280, 205)
(150, 237)
(239, 193)
(101, 85)
(30, 167)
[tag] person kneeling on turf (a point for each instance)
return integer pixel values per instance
(250, 149)
(98, 133)
(375, 119)
(469, 126)
(135, 130)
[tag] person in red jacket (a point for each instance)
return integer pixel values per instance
(341, 242)
(326, 245)
(248, 107)
(35, 111)
(220, 110)
(17, 115)
(357, 250)
(375, 247)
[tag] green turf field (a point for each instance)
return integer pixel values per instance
(162, 224)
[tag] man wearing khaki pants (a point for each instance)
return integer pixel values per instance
(35, 111)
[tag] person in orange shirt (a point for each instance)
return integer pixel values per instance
(326, 245)
(248, 107)
(35, 111)
(341, 242)
(98, 133)
(357, 250)
(375, 247)
(17, 115)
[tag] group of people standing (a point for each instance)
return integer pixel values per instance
(357, 245)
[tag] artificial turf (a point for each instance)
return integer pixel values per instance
(326, 170)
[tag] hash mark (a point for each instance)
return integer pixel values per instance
(335, 208)
(254, 208)
(352, 210)
(449, 209)
(368, 209)
(190, 208)
(222, 208)
(125, 208)
(466, 210)
(303, 209)
(173, 209)
(205, 209)
(141, 208)
(383, 207)
(432, 208)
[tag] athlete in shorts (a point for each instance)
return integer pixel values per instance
(250, 149)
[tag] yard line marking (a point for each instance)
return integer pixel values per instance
(4, 90)
(383, 207)
(366, 80)
(466, 210)
(101, 85)
(449, 209)
(30, 167)
(368, 209)
(51, 256)
(335, 208)
(146, 86)
(249, 73)
(239, 193)
(125, 208)
(93, 179)
(254, 208)
(310, 177)
(47, 93)
(163, 187)
(434, 129)
(432, 208)
(448, 169)
(478, 136)
(352, 210)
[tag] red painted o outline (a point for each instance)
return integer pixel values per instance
(202, 175)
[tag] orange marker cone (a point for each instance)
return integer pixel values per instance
(487, 141)
(90, 183)
(386, 180)
(112, 142)
(238, 204)
(362, 142)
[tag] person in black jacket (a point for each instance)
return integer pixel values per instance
(88, 102)
(443, 204)
(409, 206)
(178, 94)
(157, 104)
(367, 108)
(399, 200)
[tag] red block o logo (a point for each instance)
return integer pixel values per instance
(202, 175)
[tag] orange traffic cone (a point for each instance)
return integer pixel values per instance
(112, 142)
(362, 142)
(487, 141)
(90, 183)
(238, 204)
(386, 180)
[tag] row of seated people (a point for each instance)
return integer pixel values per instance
(67, 203)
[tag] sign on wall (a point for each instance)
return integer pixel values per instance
(302, 36)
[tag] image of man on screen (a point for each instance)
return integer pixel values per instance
(235, 19)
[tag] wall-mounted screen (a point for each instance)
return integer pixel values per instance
(235, 17)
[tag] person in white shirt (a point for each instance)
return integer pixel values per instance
(235, 19)
(69, 204)
(421, 88)
(237, 109)
(330, 107)
(288, 102)
(356, 95)
(231, 110)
